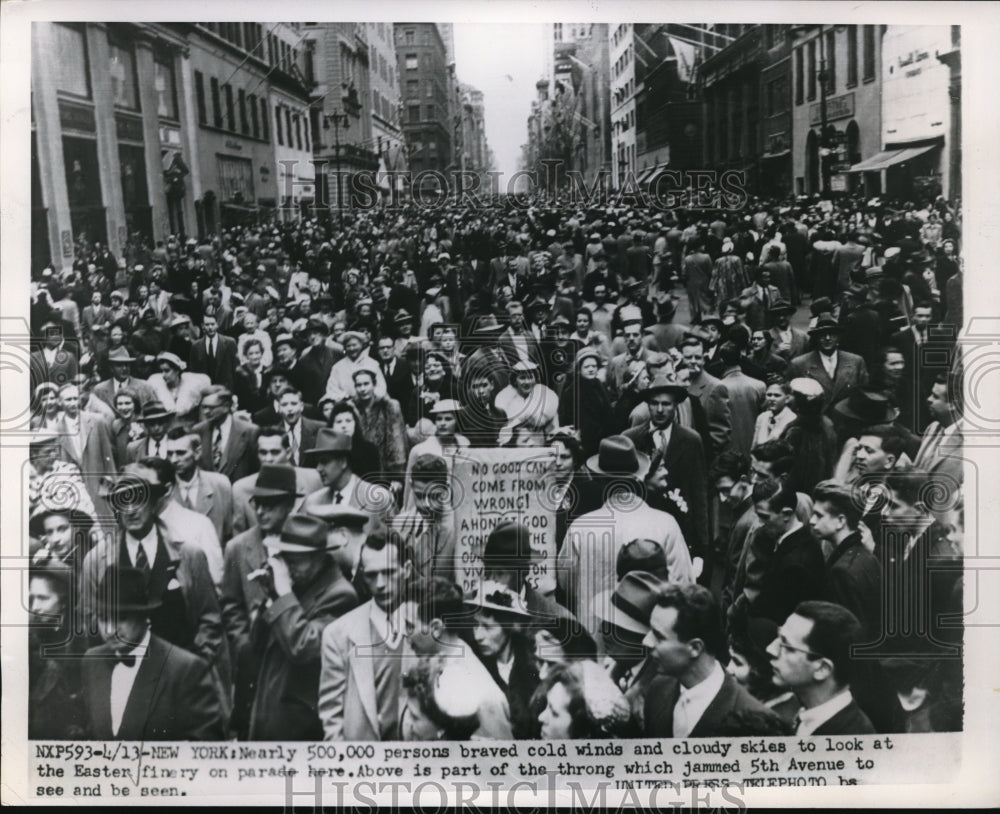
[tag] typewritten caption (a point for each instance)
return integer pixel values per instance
(348, 774)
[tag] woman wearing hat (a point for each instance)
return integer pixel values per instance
(728, 276)
(585, 402)
(45, 409)
(176, 387)
(366, 458)
(581, 701)
(52, 481)
(811, 435)
(527, 403)
(434, 383)
(504, 645)
(127, 425)
(444, 443)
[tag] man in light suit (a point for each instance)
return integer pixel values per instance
(203, 492)
(94, 318)
(86, 441)
(695, 697)
(56, 359)
(122, 379)
(746, 397)
(215, 353)
(228, 443)
(838, 371)
(138, 686)
(940, 453)
(272, 448)
(788, 342)
(428, 528)
(367, 641)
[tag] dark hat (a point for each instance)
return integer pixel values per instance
(666, 304)
(78, 519)
(345, 516)
(617, 455)
(500, 600)
(301, 533)
(402, 315)
(713, 320)
(154, 410)
(275, 480)
(868, 407)
(537, 304)
(284, 339)
(559, 319)
(826, 325)
(642, 555)
(661, 384)
(630, 605)
(125, 589)
(119, 356)
(315, 324)
(781, 308)
(330, 442)
(820, 305)
(508, 546)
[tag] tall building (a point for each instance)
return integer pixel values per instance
(837, 82)
(622, 57)
(475, 148)
(775, 177)
(425, 83)
(387, 131)
(341, 119)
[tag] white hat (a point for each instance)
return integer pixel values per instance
(445, 406)
(805, 386)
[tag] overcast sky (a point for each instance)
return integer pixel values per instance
(504, 61)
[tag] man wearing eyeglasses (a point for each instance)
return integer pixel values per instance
(811, 657)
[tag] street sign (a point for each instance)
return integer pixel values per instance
(838, 183)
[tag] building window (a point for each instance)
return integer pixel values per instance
(216, 104)
(308, 64)
(166, 90)
(124, 84)
(199, 92)
(278, 130)
(429, 90)
(430, 112)
(852, 55)
(412, 88)
(235, 179)
(414, 114)
(263, 120)
(831, 62)
(799, 77)
(812, 70)
(288, 127)
(869, 55)
(298, 131)
(254, 123)
(305, 135)
(244, 121)
(408, 36)
(230, 108)
(411, 62)
(71, 72)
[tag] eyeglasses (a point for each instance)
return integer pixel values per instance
(784, 645)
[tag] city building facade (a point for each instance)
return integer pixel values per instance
(387, 131)
(622, 85)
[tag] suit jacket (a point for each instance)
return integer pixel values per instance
(223, 369)
(849, 721)
(92, 450)
(213, 498)
(756, 311)
(854, 580)
(506, 344)
(105, 391)
(399, 383)
(61, 371)
(286, 638)
(685, 461)
(306, 481)
(918, 378)
(239, 458)
(731, 700)
(714, 398)
(249, 396)
(941, 456)
(172, 698)
(307, 435)
(851, 372)
(794, 573)
(315, 365)
(347, 703)
(746, 398)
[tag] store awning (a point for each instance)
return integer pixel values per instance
(779, 154)
(235, 207)
(889, 158)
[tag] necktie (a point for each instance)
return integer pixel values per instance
(661, 437)
(337, 497)
(141, 560)
(217, 448)
(128, 659)
(773, 420)
(211, 351)
(293, 447)
(765, 298)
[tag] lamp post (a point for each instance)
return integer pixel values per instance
(338, 118)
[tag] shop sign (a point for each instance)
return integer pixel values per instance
(838, 183)
(127, 128)
(837, 107)
(77, 117)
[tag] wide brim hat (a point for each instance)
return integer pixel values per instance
(352, 335)
(660, 385)
(172, 359)
(275, 480)
(284, 339)
(524, 366)
(499, 599)
(445, 406)
(868, 407)
(301, 534)
(77, 518)
(318, 325)
(806, 386)
(345, 516)
(712, 320)
(630, 603)
(154, 410)
(402, 315)
(330, 442)
(119, 356)
(826, 325)
(617, 455)
(781, 308)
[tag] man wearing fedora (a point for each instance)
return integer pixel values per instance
(138, 686)
(624, 613)
(635, 351)
(585, 565)
(427, 524)
(120, 362)
(664, 334)
(317, 360)
(341, 487)
(693, 696)
(837, 371)
(214, 354)
(680, 452)
(177, 573)
(156, 420)
(788, 342)
(304, 592)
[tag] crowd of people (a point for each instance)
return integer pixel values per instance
(241, 498)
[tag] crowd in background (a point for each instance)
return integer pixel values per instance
(240, 486)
